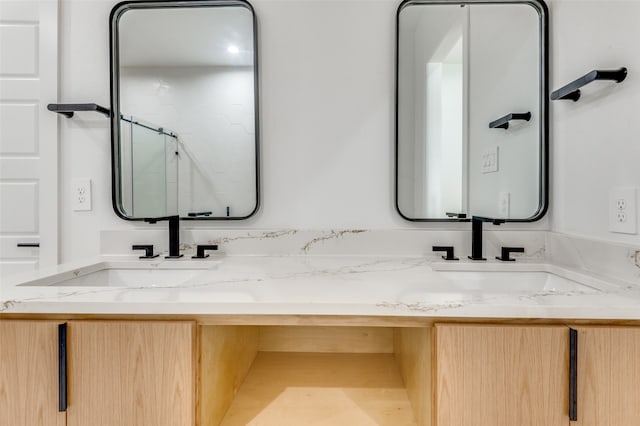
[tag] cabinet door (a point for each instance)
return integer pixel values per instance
(608, 376)
(29, 373)
(501, 375)
(130, 373)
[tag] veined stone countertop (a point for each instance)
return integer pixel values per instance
(324, 285)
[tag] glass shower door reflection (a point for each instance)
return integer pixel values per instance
(151, 190)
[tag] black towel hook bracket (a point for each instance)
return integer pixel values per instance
(503, 122)
(69, 109)
(572, 90)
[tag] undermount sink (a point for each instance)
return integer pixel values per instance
(512, 282)
(462, 287)
(131, 278)
(114, 274)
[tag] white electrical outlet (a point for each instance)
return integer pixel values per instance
(81, 194)
(504, 202)
(622, 210)
(489, 160)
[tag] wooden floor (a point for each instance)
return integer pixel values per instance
(308, 389)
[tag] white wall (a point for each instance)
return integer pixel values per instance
(595, 141)
(327, 103)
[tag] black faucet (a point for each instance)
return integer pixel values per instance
(174, 234)
(506, 253)
(446, 249)
(476, 235)
(202, 248)
(148, 250)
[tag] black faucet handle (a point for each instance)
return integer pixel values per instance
(448, 250)
(506, 252)
(201, 248)
(456, 215)
(492, 220)
(153, 220)
(197, 214)
(148, 250)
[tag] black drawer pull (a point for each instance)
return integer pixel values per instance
(28, 244)
(573, 375)
(62, 367)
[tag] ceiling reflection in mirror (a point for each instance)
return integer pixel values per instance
(184, 100)
(464, 69)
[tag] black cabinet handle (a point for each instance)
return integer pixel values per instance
(28, 244)
(573, 375)
(62, 367)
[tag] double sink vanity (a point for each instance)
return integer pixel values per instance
(331, 339)
(299, 285)
(349, 327)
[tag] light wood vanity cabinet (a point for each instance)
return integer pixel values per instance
(131, 373)
(519, 375)
(501, 375)
(29, 373)
(608, 376)
(118, 373)
(179, 373)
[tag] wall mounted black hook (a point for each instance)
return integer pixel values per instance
(69, 109)
(503, 122)
(572, 90)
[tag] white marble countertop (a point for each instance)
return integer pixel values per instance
(329, 285)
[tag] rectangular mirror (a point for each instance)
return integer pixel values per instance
(184, 99)
(471, 110)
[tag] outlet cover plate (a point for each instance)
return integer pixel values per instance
(623, 210)
(489, 160)
(81, 194)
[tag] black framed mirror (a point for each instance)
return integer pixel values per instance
(184, 99)
(471, 110)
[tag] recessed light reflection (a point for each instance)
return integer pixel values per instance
(233, 49)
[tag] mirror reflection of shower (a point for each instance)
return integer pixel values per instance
(155, 161)
(149, 165)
